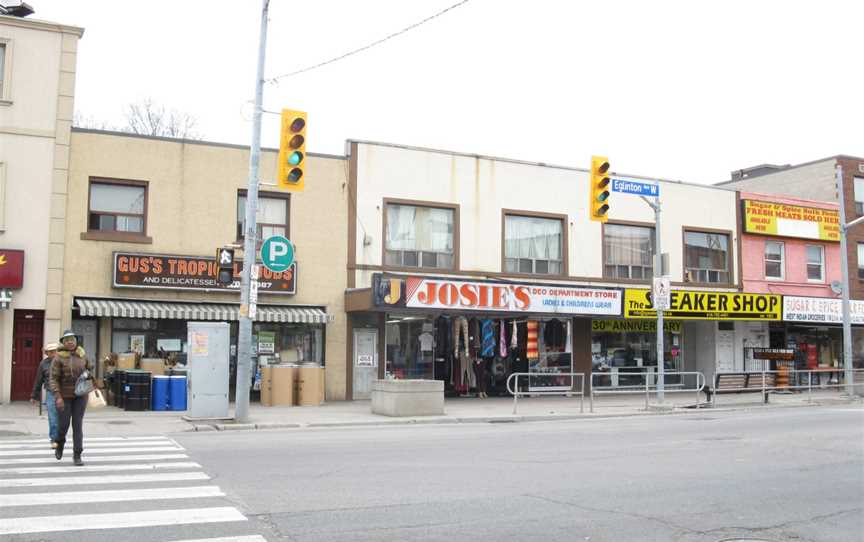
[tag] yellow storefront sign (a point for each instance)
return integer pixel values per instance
(694, 305)
(769, 218)
(632, 326)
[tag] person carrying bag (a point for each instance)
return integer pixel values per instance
(71, 382)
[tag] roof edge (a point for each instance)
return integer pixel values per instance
(39, 24)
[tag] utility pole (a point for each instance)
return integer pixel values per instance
(658, 273)
(844, 264)
(244, 339)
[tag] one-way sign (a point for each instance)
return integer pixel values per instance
(636, 188)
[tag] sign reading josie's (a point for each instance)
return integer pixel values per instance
(435, 293)
(191, 273)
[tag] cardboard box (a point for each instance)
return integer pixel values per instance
(156, 366)
(283, 385)
(126, 361)
(311, 385)
(266, 383)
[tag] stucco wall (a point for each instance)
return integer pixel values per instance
(192, 193)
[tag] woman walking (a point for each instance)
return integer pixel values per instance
(67, 366)
(42, 378)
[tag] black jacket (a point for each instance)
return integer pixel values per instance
(42, 376)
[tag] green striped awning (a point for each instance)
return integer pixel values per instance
(126, 308)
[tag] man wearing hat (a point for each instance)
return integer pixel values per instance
(42, 377)
(67, 366)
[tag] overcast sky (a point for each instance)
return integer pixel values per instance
(676, 90)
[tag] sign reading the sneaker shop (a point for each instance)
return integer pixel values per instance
(695, 305)
(489, 296)
(168, 272)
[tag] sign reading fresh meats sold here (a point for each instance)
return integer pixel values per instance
(434, 293)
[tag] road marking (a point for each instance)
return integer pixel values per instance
(119, 495)
(101, 480)
(95, 459)
(48, 451)
(87, 440)
(89, 445)
(115, 520)
(99, 468)
(251, 538)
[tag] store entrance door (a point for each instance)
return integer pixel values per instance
(365, 362)
(26, 352)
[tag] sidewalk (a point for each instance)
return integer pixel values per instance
(21, 418)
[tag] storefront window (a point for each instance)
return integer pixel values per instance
(289, 343)
(533, 245)
(706, 257)
(627, 251)
(419, 236)
(774, 252)
(627, 351)
(410, 347)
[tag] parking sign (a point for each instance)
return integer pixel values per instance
(277, 253)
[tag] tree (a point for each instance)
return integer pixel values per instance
(146, 118)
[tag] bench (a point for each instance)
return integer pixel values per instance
(743, 383)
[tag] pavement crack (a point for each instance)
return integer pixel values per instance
(784, 525)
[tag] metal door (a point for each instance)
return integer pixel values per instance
(207, 349)
(365, 362)
(725, 351)
(86, 330)
(26, 352)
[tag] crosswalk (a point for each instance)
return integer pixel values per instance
(142, 488)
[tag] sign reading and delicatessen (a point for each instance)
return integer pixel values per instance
(476, 295)
(820, 310)
(192, 273)
(769, 218)
(696, 305)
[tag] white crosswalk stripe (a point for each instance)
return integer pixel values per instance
(141, 463)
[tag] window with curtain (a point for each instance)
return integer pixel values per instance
(815, 263)
(533, 245)
(706, 257)
(271, 217)
(419, 236)
(117, 207)
(774, 252)
(628, 251)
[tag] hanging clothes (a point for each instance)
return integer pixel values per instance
(569, 346)
(514, 339)
(476, 341)
(460, 333)
(532, 351)
(487, 342)
(502, 339)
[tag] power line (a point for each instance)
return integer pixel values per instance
(369, 46)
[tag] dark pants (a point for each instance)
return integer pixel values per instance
(480, 373)
(73, 410)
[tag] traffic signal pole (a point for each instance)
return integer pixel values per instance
(244, 339)
(658, 273)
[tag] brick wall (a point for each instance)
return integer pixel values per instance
(856, 233)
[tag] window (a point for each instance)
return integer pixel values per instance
(117, 206)
(533, 245)
(815, 263)
(774, 268)
(859, 195)
(706, 257)
(627, 251)
(419, 236)
(2, 70)
(271, 217)
(861, 261)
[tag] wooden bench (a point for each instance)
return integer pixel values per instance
(743, 383)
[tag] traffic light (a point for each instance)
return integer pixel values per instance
(292, 151)
(599, 205)
(225, 259)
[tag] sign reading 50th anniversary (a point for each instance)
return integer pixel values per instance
(695, 305)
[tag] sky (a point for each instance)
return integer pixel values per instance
(669, 89)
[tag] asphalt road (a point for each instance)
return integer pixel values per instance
(775, 474)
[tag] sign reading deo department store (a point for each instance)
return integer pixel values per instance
(167, 272)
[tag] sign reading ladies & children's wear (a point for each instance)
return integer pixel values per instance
(490, 296)
(695, 305)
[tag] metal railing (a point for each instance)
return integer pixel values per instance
(794, 381)
(577, 388)
(647, 385)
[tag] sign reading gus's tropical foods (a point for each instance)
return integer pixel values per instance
(695, 305)
(769, 218)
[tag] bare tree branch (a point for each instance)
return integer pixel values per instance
(147, 118)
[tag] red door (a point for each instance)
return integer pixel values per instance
(26, 352)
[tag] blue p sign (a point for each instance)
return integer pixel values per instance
(277, 253)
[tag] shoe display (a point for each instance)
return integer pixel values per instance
(58, 451)
(77, 460)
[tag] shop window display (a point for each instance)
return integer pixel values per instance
(628, 351)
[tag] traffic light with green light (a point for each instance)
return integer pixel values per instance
(600, 189)
(292, 151)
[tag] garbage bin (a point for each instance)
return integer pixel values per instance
(177, 393)
(160, 393)
(137, 390)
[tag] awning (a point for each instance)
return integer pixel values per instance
(122, 308)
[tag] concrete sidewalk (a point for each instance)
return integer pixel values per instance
(21, 418)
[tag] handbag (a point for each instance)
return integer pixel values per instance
(96, 399)
(84, 384)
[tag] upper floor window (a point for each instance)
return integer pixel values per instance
(774, 252)
(271, 217)
(706, 257)
(534, 245)
(861, 261)
(859, 195)
(628, 251)
(117, 206)
(815, 263)
(419, 236)
(3, 84)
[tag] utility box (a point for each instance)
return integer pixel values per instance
(208, 347)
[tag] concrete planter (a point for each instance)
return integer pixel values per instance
(408, 397)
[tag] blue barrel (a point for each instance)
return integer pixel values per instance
(177, 393)
(160, 393)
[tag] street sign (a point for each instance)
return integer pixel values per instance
(253, 291)
(277, 253)
(637, 188)
(661, 290)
